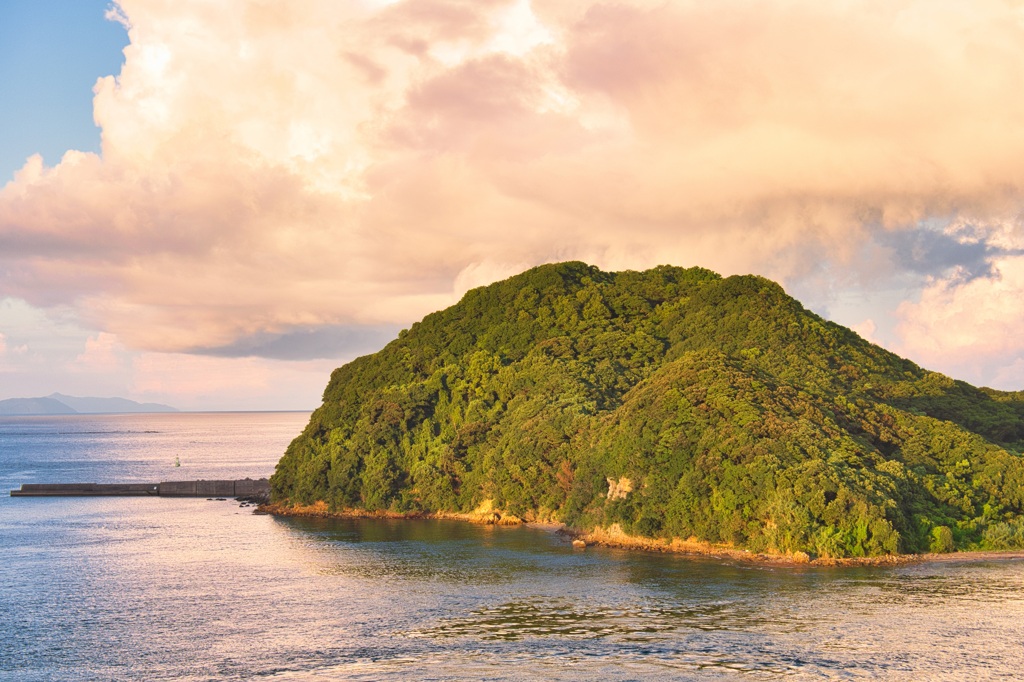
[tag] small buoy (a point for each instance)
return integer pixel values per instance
(177, 462)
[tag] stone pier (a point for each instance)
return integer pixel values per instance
(246, 487)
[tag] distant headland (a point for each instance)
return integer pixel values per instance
(58, 403)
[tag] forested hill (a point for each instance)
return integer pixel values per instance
(675, 403)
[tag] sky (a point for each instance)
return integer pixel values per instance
(212, 205)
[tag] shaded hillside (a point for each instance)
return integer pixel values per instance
(675, 403)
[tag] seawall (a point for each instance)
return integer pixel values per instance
(246, 487)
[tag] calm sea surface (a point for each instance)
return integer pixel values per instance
(150, 589)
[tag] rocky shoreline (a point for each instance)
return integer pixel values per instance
(484, 516)
(614, 537)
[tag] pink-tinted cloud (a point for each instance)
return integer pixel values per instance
(866, 329)
(103, 354)
(270, 167)
(194, 382)
(970, 329)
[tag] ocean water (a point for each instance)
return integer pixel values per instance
(190, 589)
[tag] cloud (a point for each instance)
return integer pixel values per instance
(973, 327)
(101, 365)
(3, 353)
(931, 253)
(192, 382)
(275, 177)
(1011, 376)
(103, 354)
(866, 330)
(314, 343)
(8, 355)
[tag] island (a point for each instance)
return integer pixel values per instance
(59, 404)
(666, 409)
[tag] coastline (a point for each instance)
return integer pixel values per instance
(483, 516)
(614, 537)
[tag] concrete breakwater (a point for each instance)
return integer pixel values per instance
(246, 487)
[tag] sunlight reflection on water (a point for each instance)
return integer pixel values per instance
(192, 589)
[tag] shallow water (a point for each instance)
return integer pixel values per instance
(155, 588)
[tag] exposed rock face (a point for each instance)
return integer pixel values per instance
(493, 518)
(618, 490)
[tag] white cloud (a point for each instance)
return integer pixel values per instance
(267, 167)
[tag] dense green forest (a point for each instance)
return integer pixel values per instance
(734, 414)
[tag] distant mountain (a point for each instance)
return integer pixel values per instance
(108, 405)
(58, 403)
(29, 406)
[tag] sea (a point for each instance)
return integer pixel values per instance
(197, 589)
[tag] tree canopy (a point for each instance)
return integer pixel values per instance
(732, 413)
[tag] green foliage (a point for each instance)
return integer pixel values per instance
(736, 415)
(1004, 535)
(942, 540)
